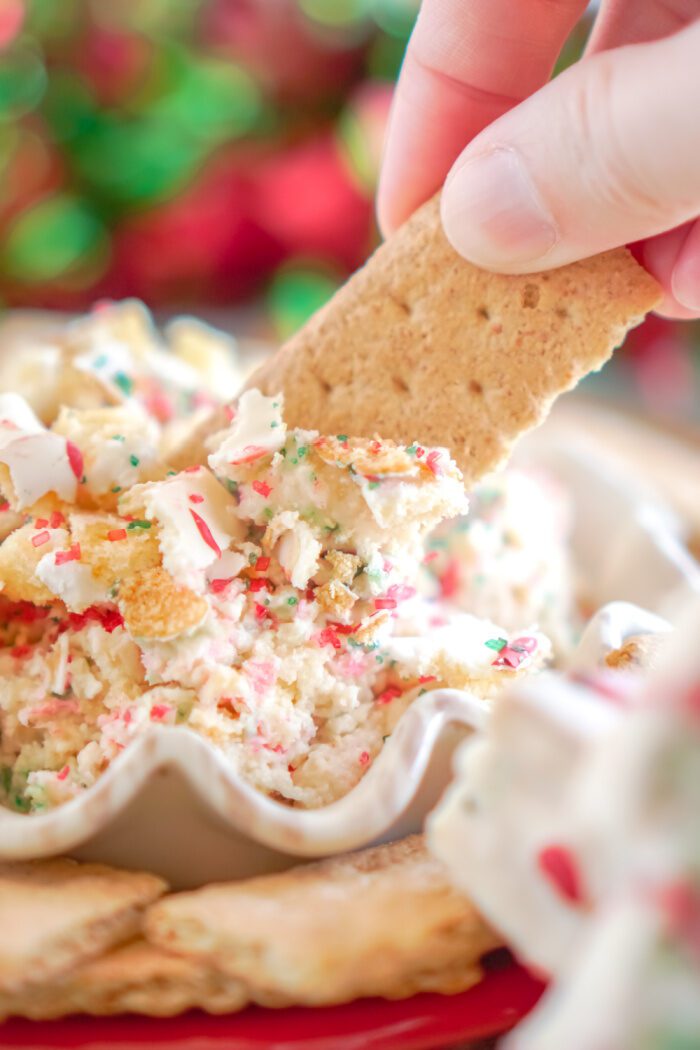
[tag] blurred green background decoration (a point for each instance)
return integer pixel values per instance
(204, 153)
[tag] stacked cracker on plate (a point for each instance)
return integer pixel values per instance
(84, 938)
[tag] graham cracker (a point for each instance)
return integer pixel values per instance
(421, 345)
(56, 914)
(385, 921)
(133, 978)
(155, 606)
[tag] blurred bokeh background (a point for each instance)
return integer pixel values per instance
(218, 156)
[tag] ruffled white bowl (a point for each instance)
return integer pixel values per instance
(172, 805)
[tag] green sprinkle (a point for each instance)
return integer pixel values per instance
(125, 384)
(373, 485)
(341, 437)
(275, 404)
(134, 460)
(302, 450)
(267, 513)
(379, 659)
(273, 425)
(232, 486)
(100, 361)
(412, 449)
(292, 601)
(331, 528)
(496, 643)
(438, 545)
(266, 601)
(118, 437)
(295, 460)
(139, 525)
(171, 473)
(116, 488)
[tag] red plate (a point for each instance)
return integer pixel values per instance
(421, 1023)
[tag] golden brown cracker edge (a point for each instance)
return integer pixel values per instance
(421, 345)
(384, 921)
(132, 978)
(56, 914)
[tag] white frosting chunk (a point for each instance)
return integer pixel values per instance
(196, 519)
(72, 582)
(37, 459)
(257, 429)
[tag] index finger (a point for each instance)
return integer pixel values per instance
(467, 62)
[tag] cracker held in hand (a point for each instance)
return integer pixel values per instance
(421, 345)
(133, 978)
(381, 922)
(56, 914)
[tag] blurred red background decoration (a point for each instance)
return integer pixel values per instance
(184, 151)
(199, 153)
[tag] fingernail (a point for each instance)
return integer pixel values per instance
(493, 214)
(685, 282)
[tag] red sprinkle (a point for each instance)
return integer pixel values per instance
(159, 711)
(262, 488)
(217, 586)
(20, 650)
(401, 592)
(116, 534)
(427, 678)
(375, 447)
(259, 585)
(433, 463)
(196, 498)
(449, 581)
(509, 658)
(250, 453)
(56, 519)
(63, 774)
(41, 523)
(344, 628)
(558, 866)
(4, 505)
(205, 532)
(262, 565)
(111, 619)
(328, 637)
(230, 413)
(430, 556)
(40, 538)
(384, 603)
(389, 694)
(364, 758)
(191, 470)
(75, 458)
(72, 554)
(260, 611)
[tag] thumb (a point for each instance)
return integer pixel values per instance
(605, 154)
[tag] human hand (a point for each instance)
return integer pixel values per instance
(607, 153)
